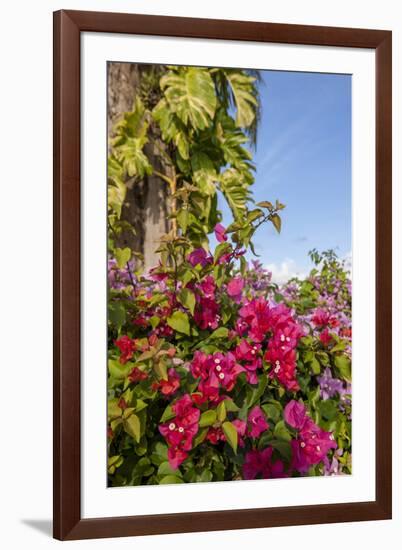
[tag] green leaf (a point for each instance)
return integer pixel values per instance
(315, 365)
(276, 222)
(166, 470)
(117, 314)
(328, 409)
(266, 204)
(190, 93)
(113, 409)
(122, 256)
(272, 411)
(221, 332)
(283, 447)
(182, 218)
(257, 392)
(133, 427)
(242, 89)
(207, 418)
(170, 479)
(167, 414)
(281, 432)
(254, 215)
(343, 364)
(187, 299)
(179, 322)
(231, 435)
(221, 411)
(117, 370)
(230, 405)
(199, 438)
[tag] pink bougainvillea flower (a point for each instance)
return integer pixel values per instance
(169, 386)
(312, 443)
(176, 456)
(235, 288)
(311, 446)
(157, 273)
(241, 427)
(256, 313)
(126, 346)
(260, 464)
(206, 314)
(295, 414)
(208, 286)
(256, 422)
(122, 403)
(180, 431)
(247, 352)
(215, 435)
(199, 256)
(220, 233)
(320, 317)
(283, 367)
(325, 337)
(137, 375)
(216, 371)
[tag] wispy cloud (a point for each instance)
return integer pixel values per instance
(285, 270)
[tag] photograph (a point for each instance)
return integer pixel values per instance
(229, 270)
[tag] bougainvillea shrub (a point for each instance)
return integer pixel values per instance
(215, 373)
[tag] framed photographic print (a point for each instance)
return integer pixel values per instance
(222, 230)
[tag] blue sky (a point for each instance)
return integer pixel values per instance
(303, 158)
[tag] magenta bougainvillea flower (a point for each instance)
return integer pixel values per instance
(180, 431)
(199, 256)
(312, 443)
(215, 371)
(169, 386)
(207, 287)
(235, 288)
(256, 422)
(137, 375)
(311, 446)
(181, 367)
(260, 464)
(248, 354)
(220, 233)
(206, 313)
(127, 347)
(295, 414)
(325, 337)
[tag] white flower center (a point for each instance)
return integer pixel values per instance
(318, 448)
(221, 376)
(218, 368)
(172, 426)
(302, 444)
(181, 429)
(287, 339)
(277, 363)
(282, 338)
(277, 369)
(253, 352)
(217, 361)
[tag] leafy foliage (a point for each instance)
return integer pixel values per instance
(214, 372)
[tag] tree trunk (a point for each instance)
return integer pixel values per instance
(146, 207)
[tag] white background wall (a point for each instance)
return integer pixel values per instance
(26, 311)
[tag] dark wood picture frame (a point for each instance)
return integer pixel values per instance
(68, 26)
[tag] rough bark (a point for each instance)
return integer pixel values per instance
(146, 207)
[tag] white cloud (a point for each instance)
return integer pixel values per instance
(284, 271)
(348, 261)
